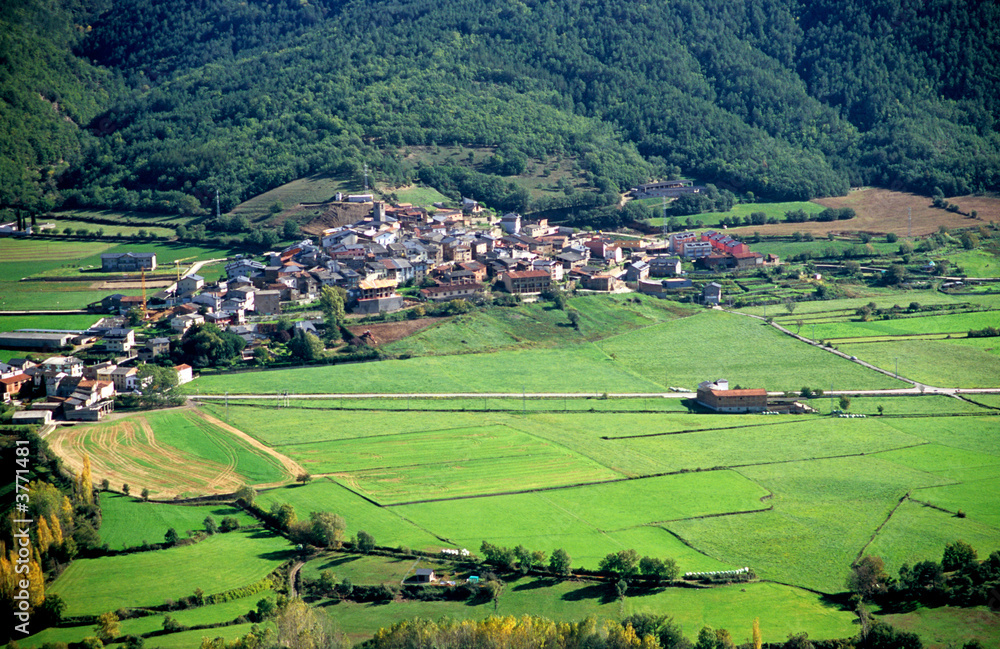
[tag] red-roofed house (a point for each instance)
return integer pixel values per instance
(720, 398)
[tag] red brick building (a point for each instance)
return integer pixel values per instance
(718, 397)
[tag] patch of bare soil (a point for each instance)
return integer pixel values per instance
(880, 211)
(334, 215)
(389, 332)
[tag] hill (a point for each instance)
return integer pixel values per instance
(768, 97)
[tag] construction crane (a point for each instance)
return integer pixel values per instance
(177, 265)
(143, 293)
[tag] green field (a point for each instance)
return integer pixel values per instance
(420, 196)
(93, 586)
(782, 610)
(948, 626)
(959, 324)
(538, 325)
(688, 351)
(69, 321)
(583, 369)
(127, 521)
(755, 355)
(944, 363)
(204, 440)
(210, 614)
(740, 209)
(385, 524)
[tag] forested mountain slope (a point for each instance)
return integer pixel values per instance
(785, 99)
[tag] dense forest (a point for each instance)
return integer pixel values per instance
(147, 104)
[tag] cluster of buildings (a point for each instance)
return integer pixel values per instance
(71, 389)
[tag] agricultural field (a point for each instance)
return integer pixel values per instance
(94, 586)
(168, 452)
(741, 210)
(966, 363)
(313, 189)
(325, 495)
(756, 355)
(782, 610)
(65, 220)
(880, 211)
(812, 490)
(538, 325)
(128, 522)
(50, 258)
(77, 322)
(957, 324)
(209, 614)
(419, 195)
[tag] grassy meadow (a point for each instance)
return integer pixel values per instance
(678, 352)
(94, 586)
(128, 522)
(801, 495)
(782, 610)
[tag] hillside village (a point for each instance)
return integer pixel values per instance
(440, 255)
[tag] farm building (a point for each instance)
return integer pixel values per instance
(128, 261)
(718, 397)
(35, 340)
(711, 293)
(425, 575)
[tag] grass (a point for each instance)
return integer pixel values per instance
(211, 614)
(948, 626)
(202, 439)
(947, 363)
(583, 369)
(977, 263)
(384, 523)
(111, 230)
(919, 533)
(127, 521)
(824, 513)
(782, 610)
(169, 452)
(957, 323)
(69, 321)
(537, 325)
(93, 586)
(420, 196)
(744, 350)
(741, 210)
(755, 355)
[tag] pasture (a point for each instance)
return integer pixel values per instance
(94, 586)
(210, 614)
(68, 321)
(755, 356)
(128, 522)
(741, 210)
(169, 452)
(952, 363)
(782, 610)
(743, 350)
(419, 195)
(803, 495)
(948, 626)
(323, 495)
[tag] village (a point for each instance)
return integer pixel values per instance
(394, 257)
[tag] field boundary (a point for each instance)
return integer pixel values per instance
(885, 522)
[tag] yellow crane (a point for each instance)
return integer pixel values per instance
(177, 265)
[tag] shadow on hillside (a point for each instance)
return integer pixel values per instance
(535, 584)
(602, 592)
